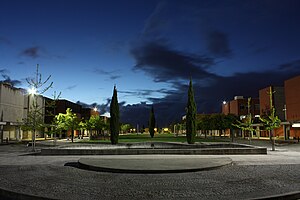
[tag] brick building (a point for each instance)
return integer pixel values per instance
(278, 99)
(239, 106)
(292, 99)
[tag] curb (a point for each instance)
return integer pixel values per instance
(285, 196)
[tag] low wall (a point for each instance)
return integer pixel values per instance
(213, 149)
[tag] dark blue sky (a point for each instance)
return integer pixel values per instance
(149, 49)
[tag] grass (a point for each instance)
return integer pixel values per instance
(157, 138)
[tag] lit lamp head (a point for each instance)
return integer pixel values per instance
(32, 91)
(224, 102)
(95, 109)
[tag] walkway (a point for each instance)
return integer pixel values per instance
(250, 176)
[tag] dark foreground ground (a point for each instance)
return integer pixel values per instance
(252, 176)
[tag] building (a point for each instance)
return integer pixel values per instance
(86, 113)
(11, 111)
(292, 99)
(239, 107)
(15, 107)
(278, 101)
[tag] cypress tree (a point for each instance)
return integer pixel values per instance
(152, 122)
(114, 118)
(191, 116)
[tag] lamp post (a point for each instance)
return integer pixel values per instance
(32, 92)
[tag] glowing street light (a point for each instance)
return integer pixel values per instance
(32, 91)
(224, 102)
(95, 109)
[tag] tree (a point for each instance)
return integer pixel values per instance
(152, 122)
(203, 123)
(114, 118)
(67, 122)
(125, 128)
(35, 115)
(96, 123)
(271, 121)
(191, 116)
(51, 112)
(246, 124)
(229, 120)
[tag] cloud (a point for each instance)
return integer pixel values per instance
(71, 87)
(165, 64)
(208, 97)
(146, 93)
(155, 21)
(4, 71)
(293, 66)
(218, 44)
(114, 77)
(7, 79)
(32, 52)
(111, 74)
(102, 108)
(137, 92)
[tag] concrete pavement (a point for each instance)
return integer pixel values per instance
(250, 177)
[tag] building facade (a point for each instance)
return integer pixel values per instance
(278, 99)
(11, 111)
(239, 106)
(292, 99)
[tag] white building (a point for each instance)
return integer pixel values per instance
(14, 104)
(11, 111)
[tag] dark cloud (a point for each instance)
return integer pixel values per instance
(114, 77)
(102, 108)
(4, 71)
(7, 79)
(71, 87)
(294, 65)
(32, 52)
(146, 93)
(209, 97)
(111, 74)
(218, 44)
(165, 64)
(136, 114)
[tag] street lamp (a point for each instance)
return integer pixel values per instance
(224, 102)
(32, 91)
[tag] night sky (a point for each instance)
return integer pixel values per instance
(150, 49)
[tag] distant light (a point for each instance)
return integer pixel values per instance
(256, 116)
(242, 117)
(95, 109)
(224, 102)
(32, 91)
(297, 125)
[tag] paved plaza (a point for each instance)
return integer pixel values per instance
(55, 177)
